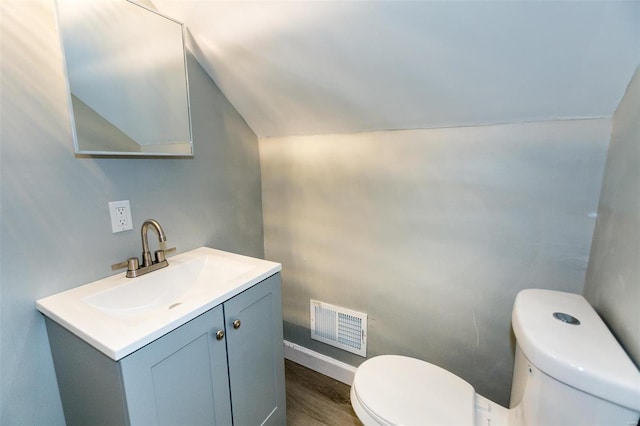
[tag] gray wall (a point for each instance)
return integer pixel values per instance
(613, 277)
(433, 233)
(55, 227)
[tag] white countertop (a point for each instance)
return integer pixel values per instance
(117, 326)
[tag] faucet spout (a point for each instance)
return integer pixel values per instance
(146, 254)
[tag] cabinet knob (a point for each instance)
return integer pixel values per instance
(237, 324)
(220, 335)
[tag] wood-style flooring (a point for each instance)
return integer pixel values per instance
(314, 399)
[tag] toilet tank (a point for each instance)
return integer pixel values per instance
(569, 368)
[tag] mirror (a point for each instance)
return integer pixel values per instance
(127, 78)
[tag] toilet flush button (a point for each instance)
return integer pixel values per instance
(569, 319)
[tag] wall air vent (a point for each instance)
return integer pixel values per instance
(339, 327)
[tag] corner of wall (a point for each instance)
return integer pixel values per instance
(613, 275)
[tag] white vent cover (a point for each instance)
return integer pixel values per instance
(339, 327)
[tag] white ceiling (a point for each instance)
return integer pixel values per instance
(316, 67)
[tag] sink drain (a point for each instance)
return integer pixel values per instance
(175, 304)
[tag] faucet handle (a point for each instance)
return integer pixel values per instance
(120, 265)
(131, 264)
(161, 254)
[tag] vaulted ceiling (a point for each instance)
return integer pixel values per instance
(315, 67)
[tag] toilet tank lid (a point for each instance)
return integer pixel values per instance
(586, 356)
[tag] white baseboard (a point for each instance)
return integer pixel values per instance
(323, 364)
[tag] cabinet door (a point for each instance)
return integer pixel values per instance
(181, 378)
(255, 355)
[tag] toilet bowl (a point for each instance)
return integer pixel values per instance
(398, 390)
(569, 370)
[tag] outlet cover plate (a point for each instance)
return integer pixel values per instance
(120, 212)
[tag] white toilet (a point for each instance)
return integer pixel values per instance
(569, 370)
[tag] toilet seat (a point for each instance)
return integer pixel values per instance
(398, 390)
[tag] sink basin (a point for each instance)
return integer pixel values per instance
(118, 315)
(167, 287)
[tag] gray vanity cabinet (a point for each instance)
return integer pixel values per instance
(181, 378)
(190, 376)
(255, 355)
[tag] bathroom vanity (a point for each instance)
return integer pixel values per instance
(215, 357)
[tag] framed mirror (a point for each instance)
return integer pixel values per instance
(127, 78)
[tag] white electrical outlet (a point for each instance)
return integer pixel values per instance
(120, 212)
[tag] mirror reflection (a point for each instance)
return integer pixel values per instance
(126, 68)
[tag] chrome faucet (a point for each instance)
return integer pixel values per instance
(148, 264)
